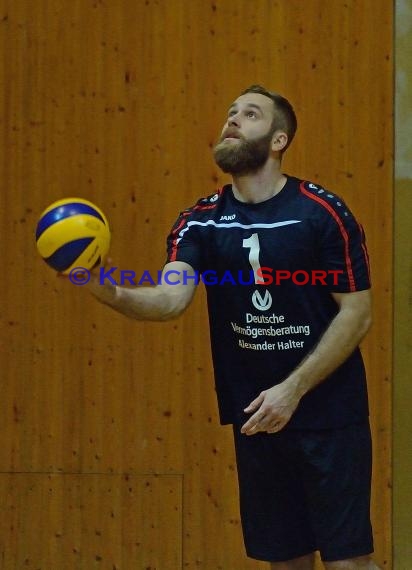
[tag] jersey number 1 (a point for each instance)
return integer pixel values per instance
(252, 243)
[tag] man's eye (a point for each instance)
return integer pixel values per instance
(251, 114)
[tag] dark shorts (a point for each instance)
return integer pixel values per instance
(302, 491)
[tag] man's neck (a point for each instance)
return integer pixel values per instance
(259, 186)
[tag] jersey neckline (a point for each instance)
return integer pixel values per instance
(256, 205)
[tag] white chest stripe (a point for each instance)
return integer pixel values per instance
(235, 225)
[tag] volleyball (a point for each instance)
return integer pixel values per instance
(72, 232)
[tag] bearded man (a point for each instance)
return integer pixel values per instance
(289, 375)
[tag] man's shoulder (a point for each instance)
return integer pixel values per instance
(206, 205)
(323, 200)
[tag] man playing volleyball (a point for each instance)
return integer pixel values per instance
(289, 374)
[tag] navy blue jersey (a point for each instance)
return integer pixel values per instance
(269, 270)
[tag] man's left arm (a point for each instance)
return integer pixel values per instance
(274, 407)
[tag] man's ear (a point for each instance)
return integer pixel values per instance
(279, 141)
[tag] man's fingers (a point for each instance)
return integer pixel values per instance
(269, 423)
(274, 427)
(267, 417)
(258, 422)
(255, 404)
(251, 425)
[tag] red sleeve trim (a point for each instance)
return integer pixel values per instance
(342, 229)
(365, 251)
(173, 254)
(197, 207)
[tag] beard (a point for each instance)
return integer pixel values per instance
(244, 156)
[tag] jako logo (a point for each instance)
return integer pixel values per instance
(227, 218)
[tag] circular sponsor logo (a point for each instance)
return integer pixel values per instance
(262, 302)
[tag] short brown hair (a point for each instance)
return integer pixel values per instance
(284, 116)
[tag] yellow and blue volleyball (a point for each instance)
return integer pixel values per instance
(72, 232)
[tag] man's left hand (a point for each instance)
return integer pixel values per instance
(273, 409)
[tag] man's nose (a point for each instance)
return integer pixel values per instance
(233, 120)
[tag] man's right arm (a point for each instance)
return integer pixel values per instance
(158, 303)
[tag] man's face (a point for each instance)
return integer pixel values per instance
(245, 142)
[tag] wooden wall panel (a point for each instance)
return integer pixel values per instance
(85, 521)
(120, 102)
(402, 394)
